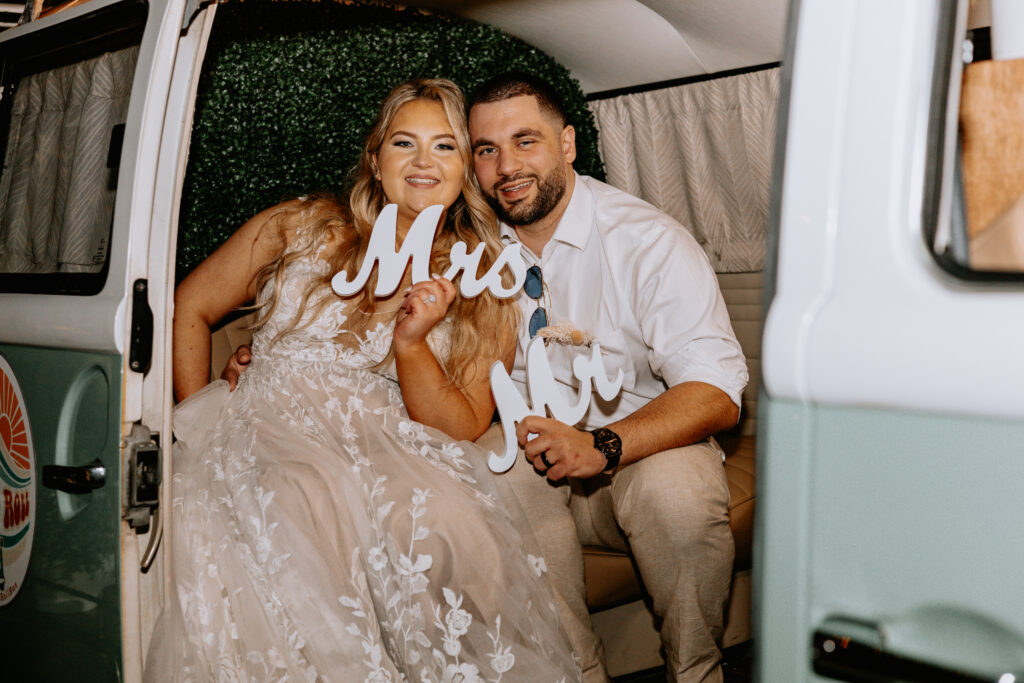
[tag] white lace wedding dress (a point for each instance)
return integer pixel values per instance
(321, 534)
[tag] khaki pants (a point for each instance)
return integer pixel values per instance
(671, 511)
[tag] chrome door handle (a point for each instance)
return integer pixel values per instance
(81, 479)
(916, 648)
(846, 659)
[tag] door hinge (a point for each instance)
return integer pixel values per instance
(140, 351)
(192, 10)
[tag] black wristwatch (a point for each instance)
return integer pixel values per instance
(609, 443)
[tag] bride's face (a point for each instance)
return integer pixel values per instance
(418, 162)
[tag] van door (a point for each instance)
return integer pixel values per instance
(93, 114)
(891, 517)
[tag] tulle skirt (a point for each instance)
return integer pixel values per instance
(320, 534)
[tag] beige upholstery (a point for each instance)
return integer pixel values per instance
(614, 589)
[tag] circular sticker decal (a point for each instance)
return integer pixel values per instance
(17, 486)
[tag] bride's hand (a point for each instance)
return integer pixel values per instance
(425, 304)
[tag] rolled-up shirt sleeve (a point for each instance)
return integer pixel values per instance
(681, 313)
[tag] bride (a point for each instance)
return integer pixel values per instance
(327, 522)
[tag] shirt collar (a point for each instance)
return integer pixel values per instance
(575, 226)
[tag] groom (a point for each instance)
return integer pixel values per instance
(638, 473)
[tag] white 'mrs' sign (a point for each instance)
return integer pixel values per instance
(416, 246)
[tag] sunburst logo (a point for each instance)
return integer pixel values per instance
(17, 486)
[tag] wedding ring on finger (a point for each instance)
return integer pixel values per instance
(544, 459)
(430, 298)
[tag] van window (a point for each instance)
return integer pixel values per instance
(63, 105)
(983, 236)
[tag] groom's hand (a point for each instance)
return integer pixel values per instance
(237, 364)
(566, 451)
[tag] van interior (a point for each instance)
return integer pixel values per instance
(684, 102)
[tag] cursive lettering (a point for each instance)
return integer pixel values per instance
(416, 247)
(545, 396)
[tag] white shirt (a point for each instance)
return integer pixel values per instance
(632, 276)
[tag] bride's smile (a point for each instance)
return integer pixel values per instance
(419, 163)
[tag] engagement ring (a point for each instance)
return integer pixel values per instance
(431, 298)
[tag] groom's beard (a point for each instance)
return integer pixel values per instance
(550, 190)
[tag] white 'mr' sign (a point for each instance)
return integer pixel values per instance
(545, 395)
(540, 381)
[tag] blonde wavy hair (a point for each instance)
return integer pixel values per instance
(481, 324)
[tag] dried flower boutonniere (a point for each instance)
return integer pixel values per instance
(565, 333)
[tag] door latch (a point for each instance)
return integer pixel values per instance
(142, 492)
(142, 460)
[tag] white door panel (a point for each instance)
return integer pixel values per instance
(863, 314)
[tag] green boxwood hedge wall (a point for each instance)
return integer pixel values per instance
(289, 88)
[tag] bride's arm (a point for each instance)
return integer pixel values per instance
(218, 285)
(461, 412)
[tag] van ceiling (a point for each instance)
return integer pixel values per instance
(611, 44)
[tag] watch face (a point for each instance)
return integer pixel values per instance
(608, 442)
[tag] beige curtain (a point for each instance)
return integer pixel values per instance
(703, 154)
(56, 192)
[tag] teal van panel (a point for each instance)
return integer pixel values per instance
(893, 518)
(781, 538)
(66, 619)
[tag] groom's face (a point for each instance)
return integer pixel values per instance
(522, 158)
